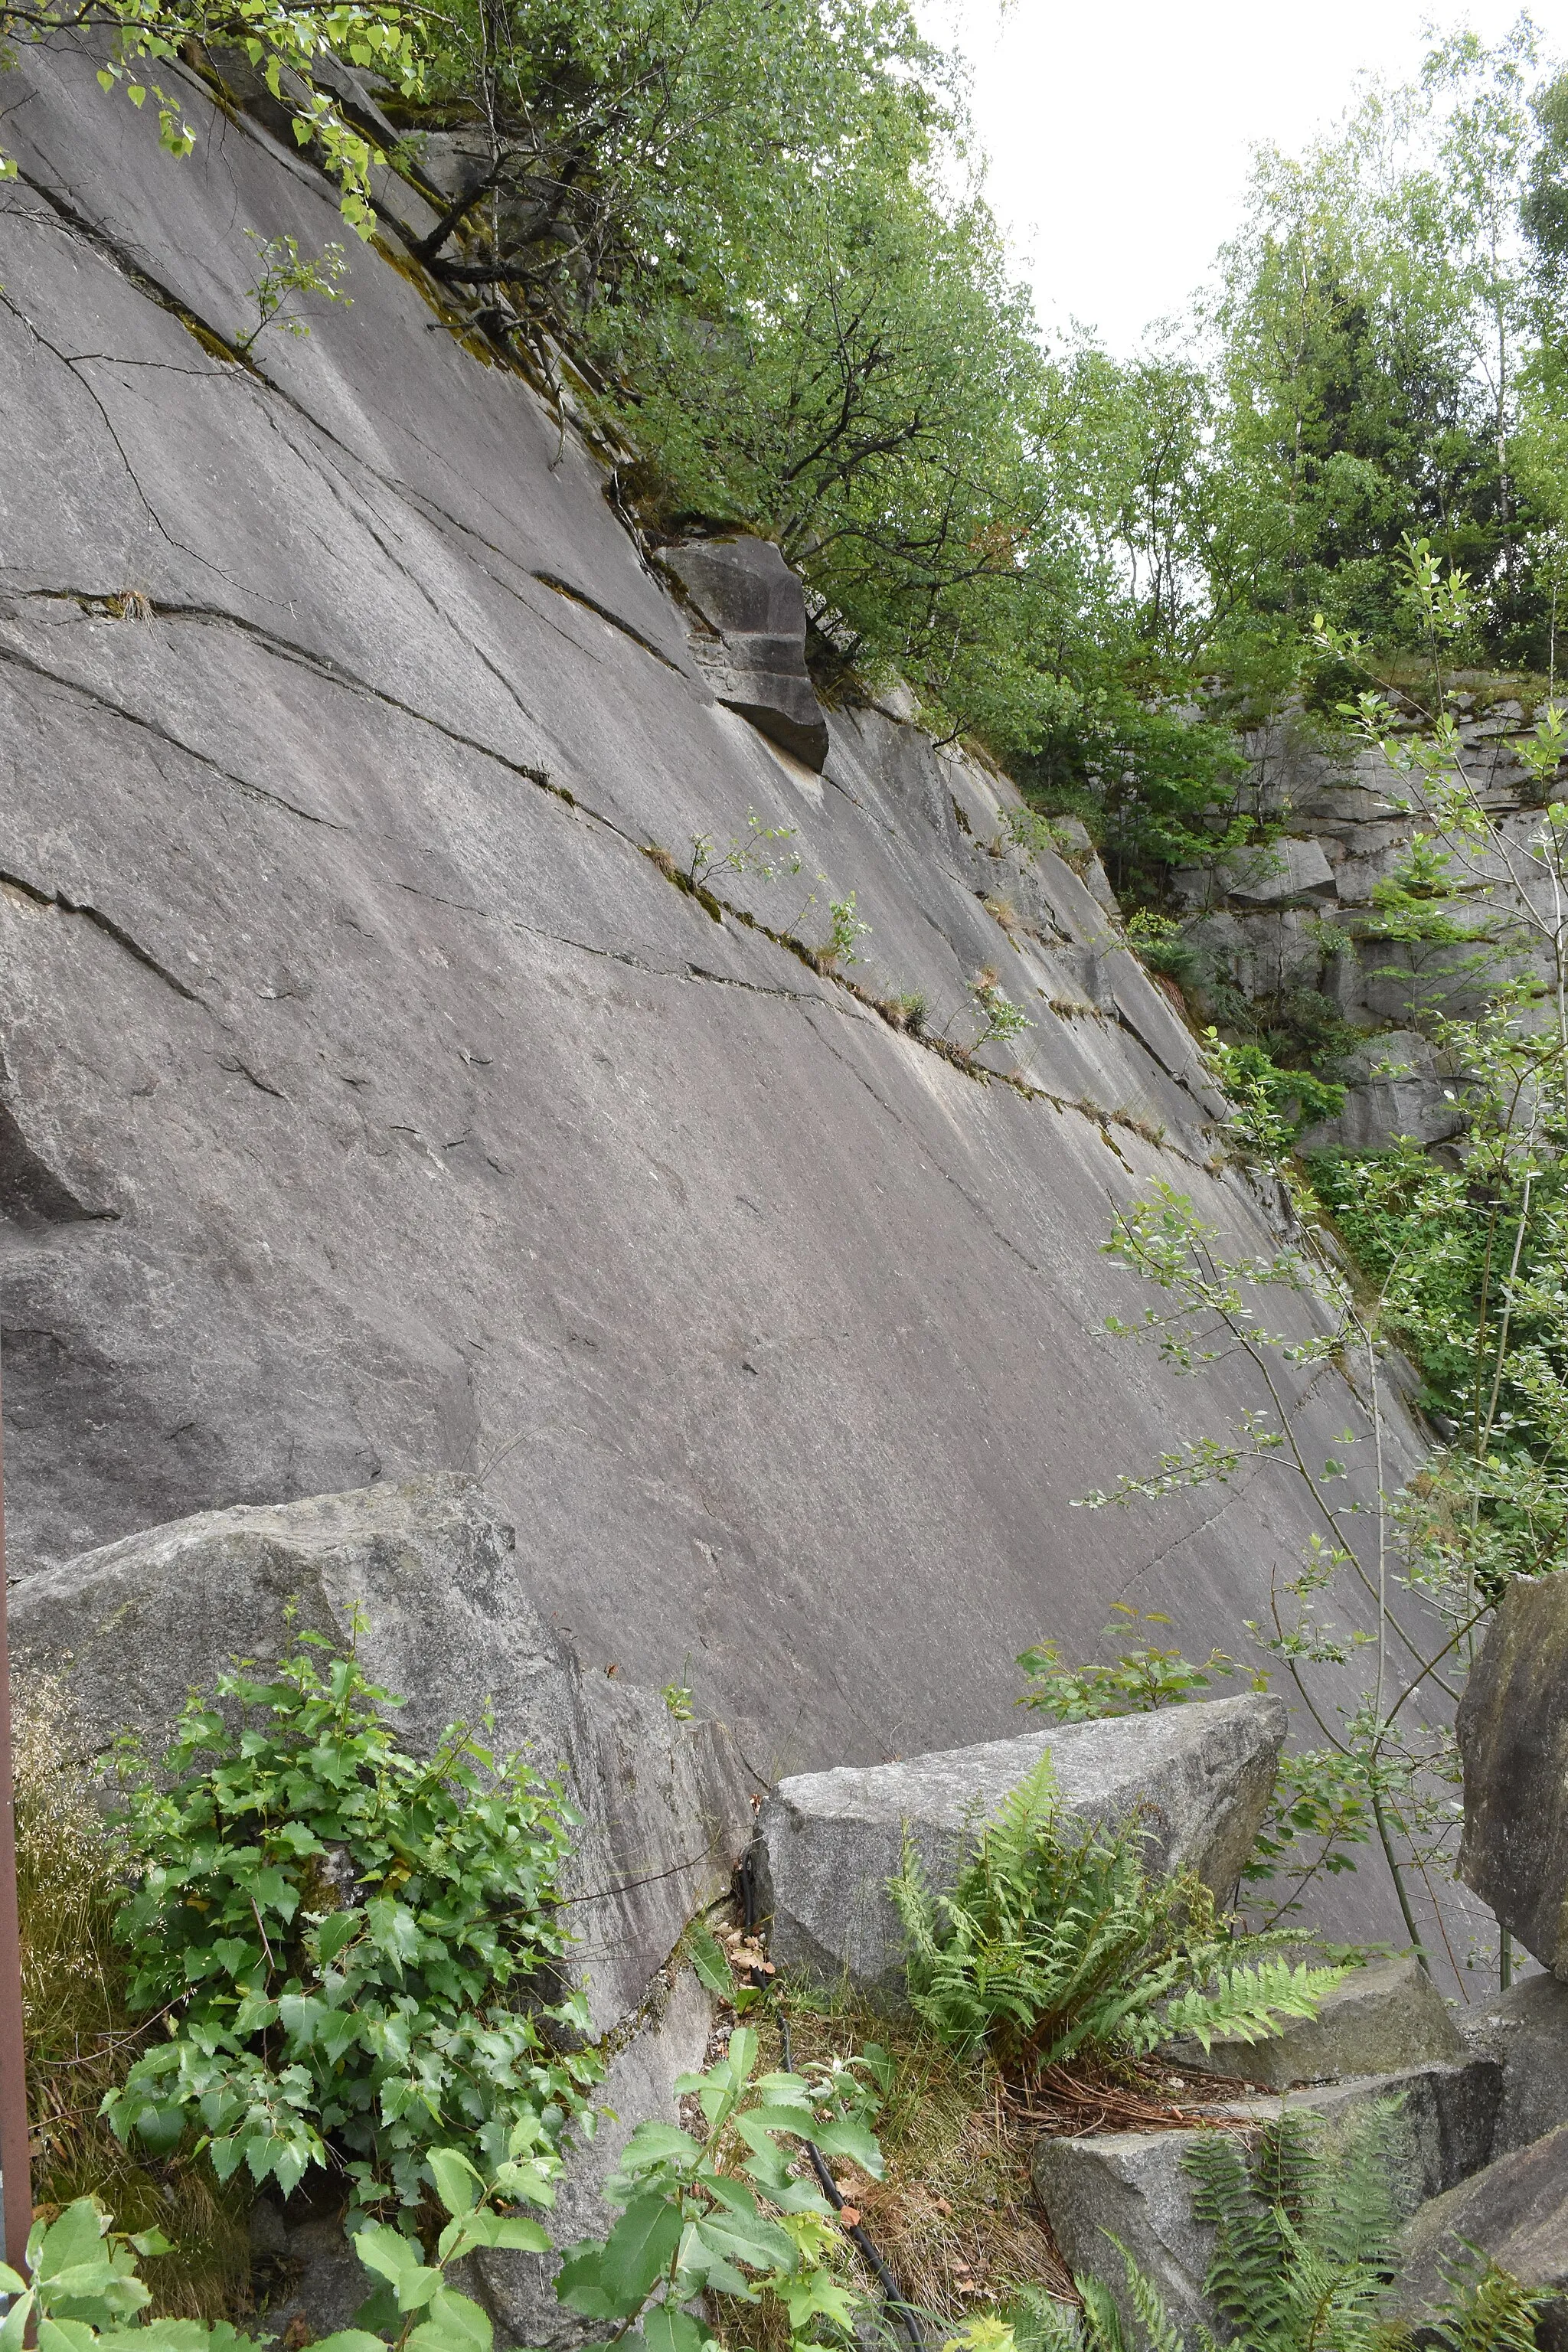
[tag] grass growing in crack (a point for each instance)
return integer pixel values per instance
(956, 2216)
(81, 2040)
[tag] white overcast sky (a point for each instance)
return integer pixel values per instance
(1119, 131)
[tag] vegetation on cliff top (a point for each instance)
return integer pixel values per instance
(762, 228)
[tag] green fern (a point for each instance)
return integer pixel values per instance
(1305, 2252)
(1486, 2309)
(1056, 1943)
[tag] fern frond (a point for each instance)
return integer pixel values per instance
(1041, 2324)
(1243, 2004)
(1486, 2309)
(1148, 2305)
(1101, 2320)
(1243, 2281)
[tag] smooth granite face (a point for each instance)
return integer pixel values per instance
(370, 1103)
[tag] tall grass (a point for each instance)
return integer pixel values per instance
(80, 2040)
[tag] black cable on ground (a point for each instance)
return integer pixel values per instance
(899, 2308)
(902, 2311)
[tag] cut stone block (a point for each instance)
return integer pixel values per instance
(1516, 2210)
(1378, 2019)
(747, 592)
(1512, 1727)
(1199, 1777)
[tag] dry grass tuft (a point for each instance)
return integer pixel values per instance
(80, 2040)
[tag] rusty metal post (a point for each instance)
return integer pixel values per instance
(16, 2171)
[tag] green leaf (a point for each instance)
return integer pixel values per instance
(396, 2258)
(653, 2142)
(761, 2245)
(667, 2328)
(639, 2247)
(458, 2185)
(455, 2325)
(707, 1955)
(341, 1928)
(579, 2283)
(844, 2135)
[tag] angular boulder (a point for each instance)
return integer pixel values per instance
(749, 596)
(1512, 1728)
(431, 1569)
(1377, 2018)
(1199, 1777)
(1516, 2210)
(1132, 2186)
(1127, 2186)
(1526, 2031)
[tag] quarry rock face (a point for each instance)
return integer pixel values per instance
(430, 1575)
(1197, 1778)
(1514, 1737)
(373, 1103)
(754, 603)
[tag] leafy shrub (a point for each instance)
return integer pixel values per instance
(1055, 1943)
(83, 2293)
(357, 1952)
(1135, 1682)
(1158, 942)
(688, 2227)
(1275, 1104)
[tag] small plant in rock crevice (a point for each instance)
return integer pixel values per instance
(286, 275)
(845, 928)
(356, 1953)
(1001, 1021)
(757, 853)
